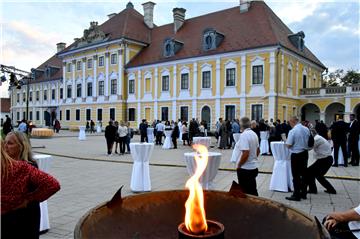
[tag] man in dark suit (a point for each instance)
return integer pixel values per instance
(143, 131)
(353, 140)
(339, 130)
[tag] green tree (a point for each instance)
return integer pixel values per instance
(340, 78)
(350, 78)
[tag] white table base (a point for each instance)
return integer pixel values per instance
(281, 178)
(167, 142)
(207, 178)
(150, 135)
(206, 141)
(43, 162)
(82, 135)
(140, 177)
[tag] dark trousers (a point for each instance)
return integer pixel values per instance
(143, 137)
(318, 170)
(128, 139)
(354, 149)
(110, 143)
(337, 145)
(122, 142)
(298, 169)
(174, 140)
(247, 180)
(159, 135)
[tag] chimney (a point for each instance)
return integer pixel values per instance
(244, 6)
(60, 46)
(111, 15)
(179, 18)
(148, 14)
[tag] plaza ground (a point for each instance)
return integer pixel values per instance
(89, 177)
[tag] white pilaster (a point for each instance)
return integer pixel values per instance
(173, 112)
(297, 80)
(282, 75)
(271, 113)
(243, 87)
(156, 93)
(73, 69)
(217, 96)
(127, 54)
(120, 73)
(95, 77)
(139, 86)
(272, 74)
(84, 86)
(138, 113)
(322, 116)
(348, 109)
(64, 84)
(107, 74)
(194, 101)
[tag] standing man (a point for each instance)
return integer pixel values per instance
(160, 127)
(353, 142)
(247, 167)
(297, 142)
(143, 131)
(7, 127)
(175, 134)
(23, 126)
(339, 130)
(110, 132)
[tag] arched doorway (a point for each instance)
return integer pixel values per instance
(47, 118)
(206, 115)
(357, 111)
(310, 112)
(333, 111)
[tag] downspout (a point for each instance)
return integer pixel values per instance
(277, 83)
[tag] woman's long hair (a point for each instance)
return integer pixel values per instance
(24, 145)
(6, 162)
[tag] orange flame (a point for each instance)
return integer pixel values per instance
(195, 219)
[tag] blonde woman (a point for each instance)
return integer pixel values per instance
(22, 185)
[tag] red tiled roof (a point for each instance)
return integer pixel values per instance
(259, 27)
(53, 61)
(5, 104)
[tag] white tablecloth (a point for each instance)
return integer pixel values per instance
(236, 137)
(281, 178)
(43, 161)
(264, 143)
(167, 143)
(150, 135)
(140, 177)
(98, 128)
(206, 141)
(210, 172)
(82, 135)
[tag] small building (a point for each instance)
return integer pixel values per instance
(5, 109)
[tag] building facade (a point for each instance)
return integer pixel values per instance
(241, 61)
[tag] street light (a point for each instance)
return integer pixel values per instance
(25, 76)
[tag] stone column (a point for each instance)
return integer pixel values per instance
(348, 109)
(139, 98)
(73, 68)
(272, 94)
(322, 116)
(64, 84)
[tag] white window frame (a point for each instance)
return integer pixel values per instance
(230, 64)
(185, 70)
(257, 61)
(114, 112)
(116, 58)
(211, 111)
(131, 93)
(128, 113)
(262, 111)
(161, 112)
(79, 115)
(225, 110)
(180, 106)
(97, 114)
(147, 75)
(67, 120)
(289, 83)
(86, 109)
(206, 67)
(103, 61)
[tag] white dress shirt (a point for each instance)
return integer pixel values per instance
(298, 138)
(248, 141)
(322, 147)
(353, 225)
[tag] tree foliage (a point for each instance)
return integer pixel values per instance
(340, 78)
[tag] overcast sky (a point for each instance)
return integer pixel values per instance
(31, 29)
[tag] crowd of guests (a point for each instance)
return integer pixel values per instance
(120, 135)
(23, 187)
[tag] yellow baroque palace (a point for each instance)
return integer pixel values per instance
(242, 61)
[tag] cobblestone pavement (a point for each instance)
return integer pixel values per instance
(89, 177)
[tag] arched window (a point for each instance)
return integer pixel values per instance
(206, 114)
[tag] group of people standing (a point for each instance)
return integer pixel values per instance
(119, 134)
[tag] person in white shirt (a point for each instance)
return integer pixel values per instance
(160, 127)
(344, 225)
(297, 142)
(123, 131)
(324, 160)
(247, 166)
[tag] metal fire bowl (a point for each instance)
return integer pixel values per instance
(158, 214)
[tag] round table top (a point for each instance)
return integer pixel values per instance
(210, 154)
(195, 138)
(42, 156)
(42, 129)
(143, 144)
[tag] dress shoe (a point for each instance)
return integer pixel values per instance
(335, 165)
(303, 196)
(330, 192)
(293, 198)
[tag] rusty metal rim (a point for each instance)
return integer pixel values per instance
(77, 230)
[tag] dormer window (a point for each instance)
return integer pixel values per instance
(297, 40)
(171, 47)
(211, 39)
